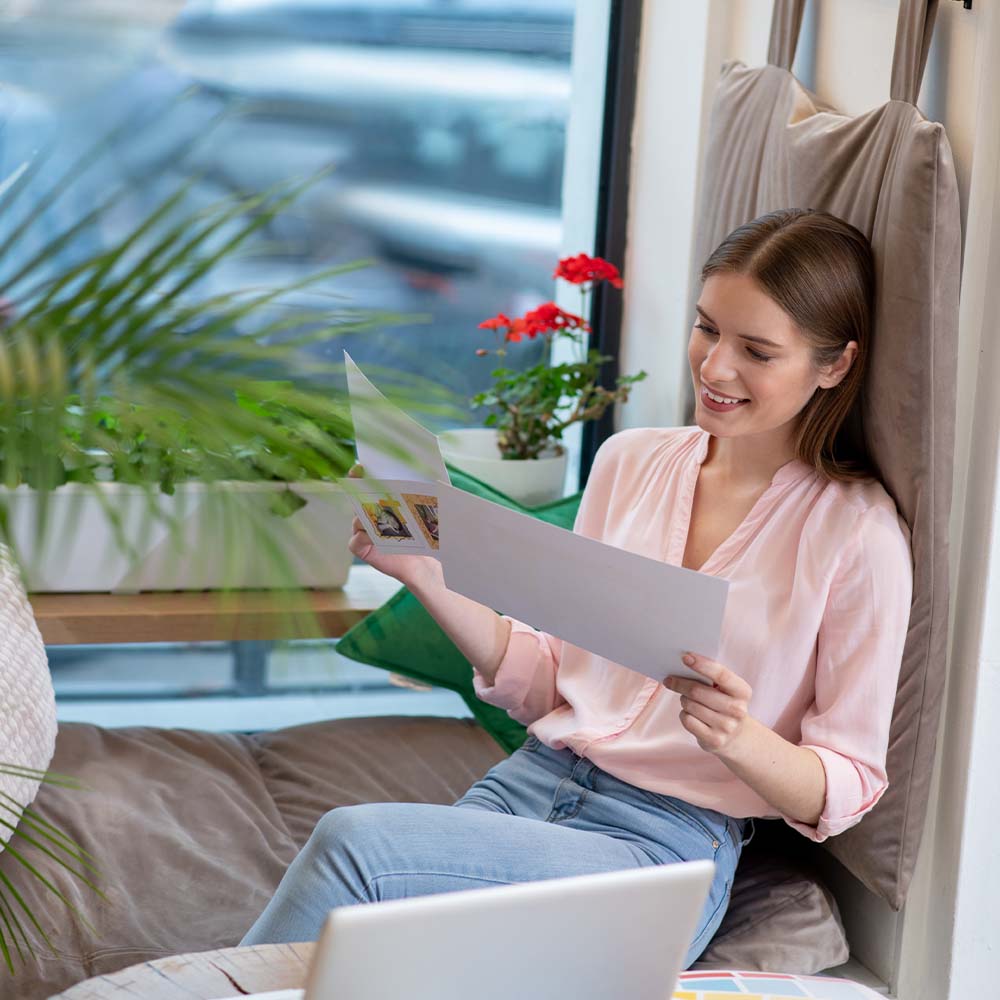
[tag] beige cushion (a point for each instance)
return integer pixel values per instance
(781, 918)
(889, 172)
(193, 831)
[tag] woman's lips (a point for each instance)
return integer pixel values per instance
(720, 407)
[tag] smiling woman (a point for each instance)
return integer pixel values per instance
(781, 725)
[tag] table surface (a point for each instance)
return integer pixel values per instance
(207, 616)
(205, 975)
(209, 975)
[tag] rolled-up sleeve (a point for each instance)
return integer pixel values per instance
(525, 683)
(858, 654)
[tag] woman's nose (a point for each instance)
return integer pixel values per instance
(718, 364)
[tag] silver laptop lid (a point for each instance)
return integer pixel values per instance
(590, 937)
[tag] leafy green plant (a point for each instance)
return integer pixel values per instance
(531, 408)
(122, 356)
(28, 828)
(119, 365)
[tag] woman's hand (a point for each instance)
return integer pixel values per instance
(715, 714)
(408, 569)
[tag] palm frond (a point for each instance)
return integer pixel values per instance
(59, 848)
(125, 362)
(126, 353)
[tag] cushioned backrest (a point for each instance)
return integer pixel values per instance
(889, 172)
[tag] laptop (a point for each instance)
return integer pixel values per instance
(587, 937)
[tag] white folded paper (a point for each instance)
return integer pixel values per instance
(641, 613)
(397, 501)
(390, 444)
(637, 612)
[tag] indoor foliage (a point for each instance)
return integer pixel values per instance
(533, 407)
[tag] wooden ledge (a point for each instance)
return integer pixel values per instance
(210, 616)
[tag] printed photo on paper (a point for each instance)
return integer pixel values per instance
(386, 517)
(398, 515)
(424, 509)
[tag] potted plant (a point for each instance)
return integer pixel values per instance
(519, 451)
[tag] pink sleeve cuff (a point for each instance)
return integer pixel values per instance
(851, 791)
(524, 684)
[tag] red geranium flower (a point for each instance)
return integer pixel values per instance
(500, 321)
(580, 269)
(549, 318)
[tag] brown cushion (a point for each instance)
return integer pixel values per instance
(193, 831)
(781, 918)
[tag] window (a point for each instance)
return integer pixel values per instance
(443, 127)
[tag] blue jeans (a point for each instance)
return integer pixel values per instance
(539, 814)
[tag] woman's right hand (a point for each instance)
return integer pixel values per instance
(408, 569)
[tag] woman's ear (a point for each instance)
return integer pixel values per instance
(831, 375)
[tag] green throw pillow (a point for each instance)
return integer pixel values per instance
(402, 637)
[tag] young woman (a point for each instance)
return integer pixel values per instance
(771, 490)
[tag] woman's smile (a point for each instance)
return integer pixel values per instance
(718, 402)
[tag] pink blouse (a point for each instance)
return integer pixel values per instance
(820, 576)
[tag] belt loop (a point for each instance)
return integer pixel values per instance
(753, 829)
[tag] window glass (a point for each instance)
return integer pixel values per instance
(442, 126)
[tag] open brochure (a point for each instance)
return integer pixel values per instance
(638, 612)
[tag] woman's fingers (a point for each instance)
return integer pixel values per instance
(698, 729)
(714, 712)
(720, 676)
(360, 544)
(710, 697)
(704, 714)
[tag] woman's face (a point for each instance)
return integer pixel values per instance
(745, 347)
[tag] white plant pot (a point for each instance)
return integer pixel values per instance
(207, 537)
(531, 481)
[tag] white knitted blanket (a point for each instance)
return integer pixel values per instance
(27, 702)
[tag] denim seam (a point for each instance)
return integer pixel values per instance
(471, 878)
(708, 929)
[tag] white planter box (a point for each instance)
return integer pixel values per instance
(207, 537)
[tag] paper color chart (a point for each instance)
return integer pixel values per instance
(767, 986)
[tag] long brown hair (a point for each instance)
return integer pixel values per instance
(820, 270)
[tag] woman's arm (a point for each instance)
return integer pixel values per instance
(479, 632)
(790, 778)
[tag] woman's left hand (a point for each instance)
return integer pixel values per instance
(716, 713)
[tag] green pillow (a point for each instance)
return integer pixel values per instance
(402, 637)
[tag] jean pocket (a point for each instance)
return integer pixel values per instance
(687, 814)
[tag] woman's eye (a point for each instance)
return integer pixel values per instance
(709, 332)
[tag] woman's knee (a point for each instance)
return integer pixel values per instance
(346, 826)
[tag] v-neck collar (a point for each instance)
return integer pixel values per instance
(791, 472)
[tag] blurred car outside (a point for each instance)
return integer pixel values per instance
(448, 159)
